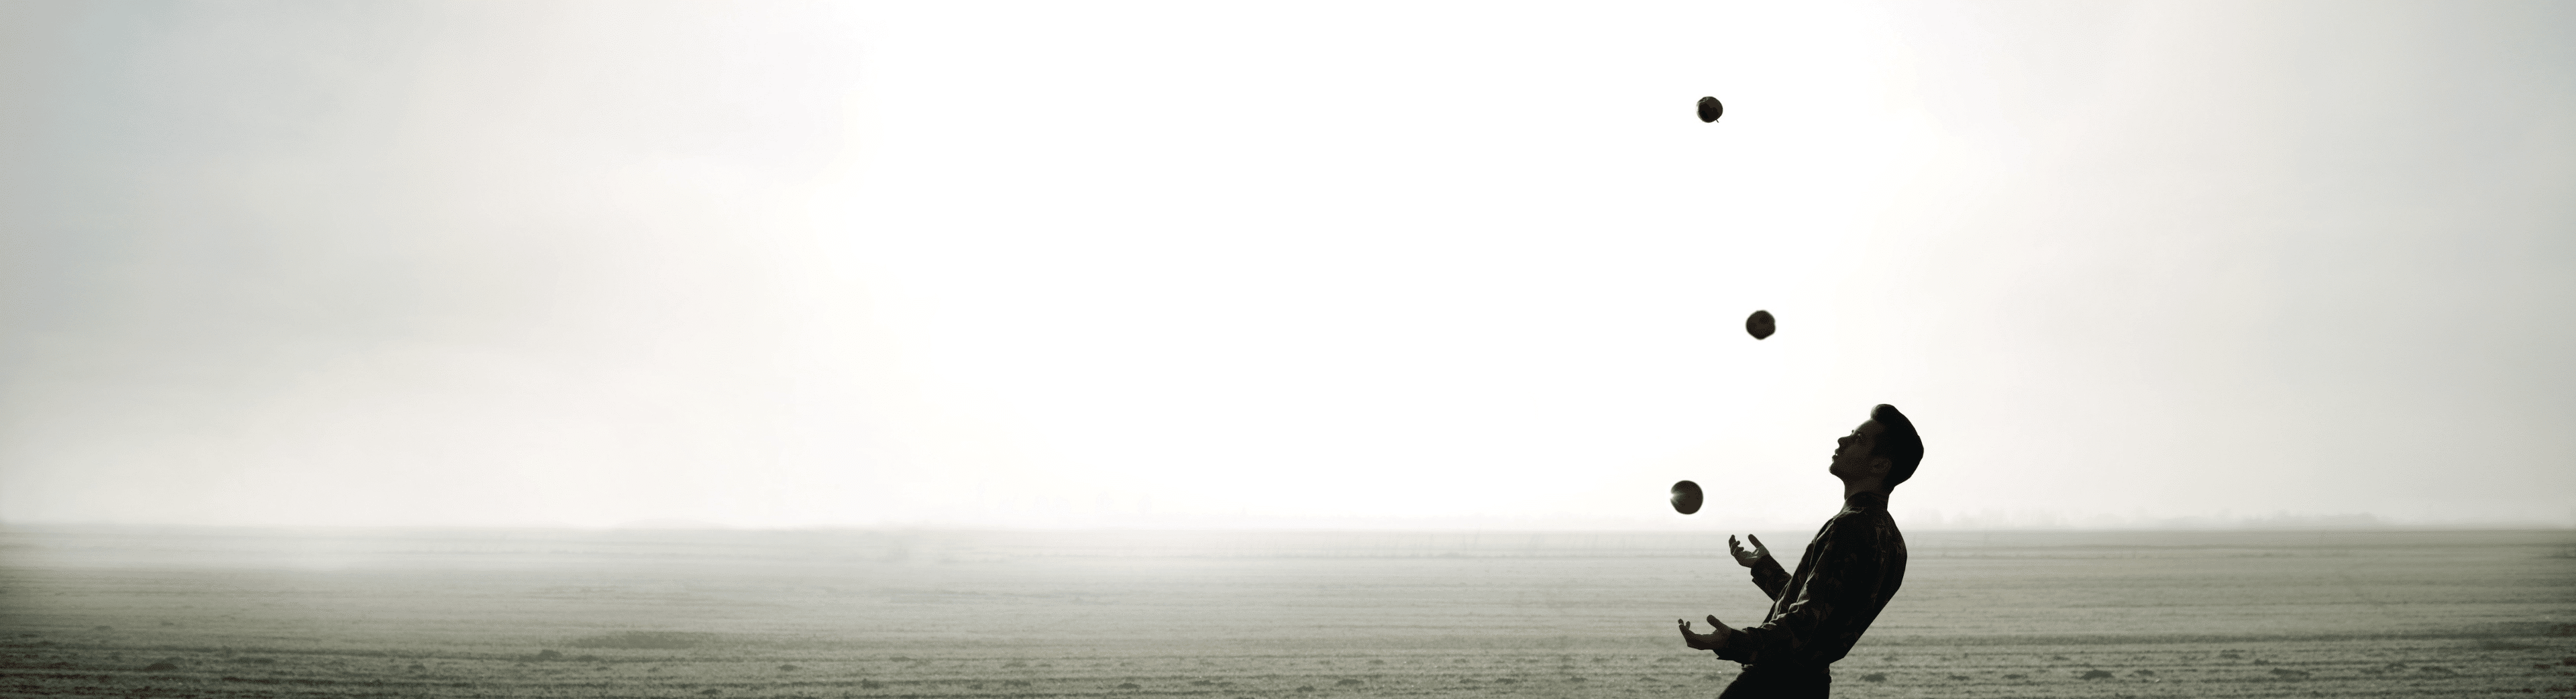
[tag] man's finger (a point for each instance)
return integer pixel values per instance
(1712, 621)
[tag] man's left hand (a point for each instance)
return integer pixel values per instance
(1718, 639)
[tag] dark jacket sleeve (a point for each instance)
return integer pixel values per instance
(1768, 576)
(1849, 573)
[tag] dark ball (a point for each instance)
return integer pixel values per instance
(1686, 497)
(1710, 109)
(1760, 324)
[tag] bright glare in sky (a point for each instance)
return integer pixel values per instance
(1308, 265)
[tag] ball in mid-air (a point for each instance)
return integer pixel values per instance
(1686, 497)
(1710, 109)
(1760, 324)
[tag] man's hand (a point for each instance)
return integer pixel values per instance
(1717, 640)
(1745, 558)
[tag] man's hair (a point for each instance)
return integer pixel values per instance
(1896, 441)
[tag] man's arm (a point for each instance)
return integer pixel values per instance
(1766, 570)
(1848, 577)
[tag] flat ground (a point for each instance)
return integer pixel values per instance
(218, 613)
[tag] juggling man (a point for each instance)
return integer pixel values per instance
(1848, 574)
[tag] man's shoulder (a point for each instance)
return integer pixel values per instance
(1864, 525)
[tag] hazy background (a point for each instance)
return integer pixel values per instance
(1311, 264)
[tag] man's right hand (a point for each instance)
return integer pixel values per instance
(1720, 638)
(1745, 558)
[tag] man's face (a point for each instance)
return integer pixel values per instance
(1851, 453)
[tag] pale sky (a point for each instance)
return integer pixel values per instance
(1313, 264)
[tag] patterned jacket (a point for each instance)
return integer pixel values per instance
(1848, 574)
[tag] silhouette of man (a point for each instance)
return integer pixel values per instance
(1848, 574)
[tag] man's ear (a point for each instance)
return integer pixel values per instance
(1881, 466)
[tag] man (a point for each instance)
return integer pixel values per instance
(1849, 572)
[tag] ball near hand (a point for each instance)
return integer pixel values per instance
(1686, 497)
(1710, 109)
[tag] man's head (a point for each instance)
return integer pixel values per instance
(1883, 449)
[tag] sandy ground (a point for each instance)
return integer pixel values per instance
(221, 613)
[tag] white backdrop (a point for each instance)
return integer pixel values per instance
(1302, 265)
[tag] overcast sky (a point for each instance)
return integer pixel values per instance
(1310, 264)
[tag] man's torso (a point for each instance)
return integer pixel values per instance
(1864, 529)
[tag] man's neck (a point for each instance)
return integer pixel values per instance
(1850, 489)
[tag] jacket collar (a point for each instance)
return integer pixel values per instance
(1865, 501)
